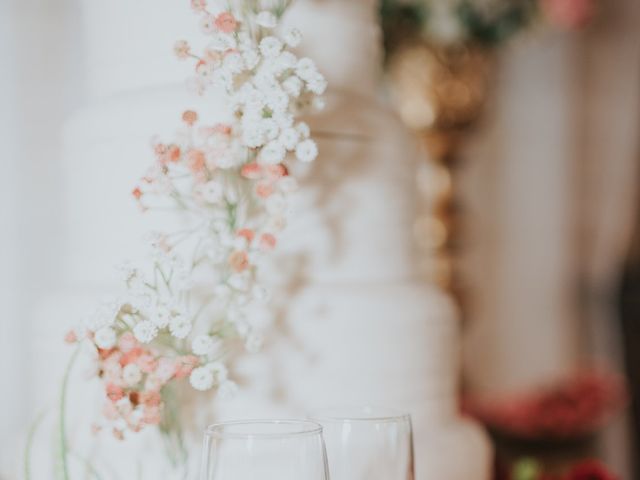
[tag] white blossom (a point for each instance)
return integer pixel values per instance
(105, 338)
(161, 316)
(180, 326)
(223, 42)
(218, 370)
(211, 192)
(306, 69)
(293, 86)
(203, 345)
(273, 153)
(233, 62)
(201, 378)
(266, 19)
(317, 84)
(303, 129)
(293, 37)
(131, 374)
(270, 46)
(307, 151)
(145, 331)
(251, 58)
(289, 138)
(285, 61)
(270, 128)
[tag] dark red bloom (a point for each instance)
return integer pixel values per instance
(590, 470)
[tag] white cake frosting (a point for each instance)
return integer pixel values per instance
(355, 324)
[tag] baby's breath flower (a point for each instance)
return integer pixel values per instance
(293, 37)
(266, 19)
(289, 138)
(182, 49)
(270, 47)
(307, 151)
(131, 374)
(201, 378)
(306, 69)
(105, 338)
(203, 345)
(180, 326)
(145, 331)
(273, 153)
(233, 185)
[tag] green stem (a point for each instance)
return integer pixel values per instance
(29, 446)
(63, 417)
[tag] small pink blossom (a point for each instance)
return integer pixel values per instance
(151, 399)
(264, 189)
(127, 342)
(199, 5)
(185, 365)
(222, 128)
(226, 22)
(131, 356)
(110, 411)
(239, 261)
(182, 49)
(71, 337)
(208, 24)
(114, 392)
(147, 363)
(277, 171)
(153, 383)
(152, 415)
(166, 369)
(190, 117)
(247, 234)
(251, 171)
(267, 241)
(196, 160)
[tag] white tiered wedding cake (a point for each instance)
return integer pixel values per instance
(354, 325)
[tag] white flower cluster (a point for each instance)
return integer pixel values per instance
(232, 184)
(266, 84)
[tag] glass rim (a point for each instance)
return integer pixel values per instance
(224, 430)
(367, 414)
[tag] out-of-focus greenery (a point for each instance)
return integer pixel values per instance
(486, 22)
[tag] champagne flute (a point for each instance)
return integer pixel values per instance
(264, 450)
(365, 443)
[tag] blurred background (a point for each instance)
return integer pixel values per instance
(531, 209)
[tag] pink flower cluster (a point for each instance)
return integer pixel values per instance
(134, 375)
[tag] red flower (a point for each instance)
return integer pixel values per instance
(590, 470)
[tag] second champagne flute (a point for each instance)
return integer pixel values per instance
(367, 443)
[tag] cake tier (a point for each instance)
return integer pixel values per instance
(351, 220)
(119, 58)
(380, 344)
